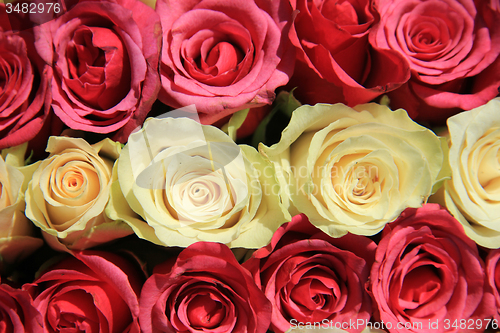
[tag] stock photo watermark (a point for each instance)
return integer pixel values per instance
(359, 324)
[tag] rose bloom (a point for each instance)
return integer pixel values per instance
(426, 270)
(205, 289)
(223, 56)
(92, 292)
(335, 62)
(189, 182)
(69, 191)
(17, 311)
(311, 277)
(16, 231)
(354, 169)
(452, 48)
(493, 275)
(105, 56)
(472, 193)
(24, 92)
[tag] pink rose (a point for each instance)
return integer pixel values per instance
(24, 92)
(452, 48)
(204, 290)
(493, 275)
(105, 56)
(223, 56)
(93, 292)
(428, 275)
(335, 62)
(17, 313)
(310, 277)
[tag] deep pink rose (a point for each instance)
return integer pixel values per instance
(204, 290)
(493, 274)
(17, 313)
(224, 56)
(105, 56)
(452, 48)
(93, 292)
(24, 91)
(335, 62)
(310, 277)
(428, 275)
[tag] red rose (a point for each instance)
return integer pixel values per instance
(310, 277)
(205, 290)
(105, 56)
(17, 313)
(428, 275)
(93, 292)
(24, 91)
(452, 48)
(493, 274)
(223, 56)
(335, 62)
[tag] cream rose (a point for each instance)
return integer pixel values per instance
(473, 193)
(187, 182)
(69, 191)
(16, 231)
(354, 170)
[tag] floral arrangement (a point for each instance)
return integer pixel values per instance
(249, 166)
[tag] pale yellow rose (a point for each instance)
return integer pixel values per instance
(354, 170)
(69, 192)
(16, 231)
(473, 193)
(180, 182)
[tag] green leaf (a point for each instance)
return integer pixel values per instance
(285, 103)
(384, 100)
(445, 172)
(237, 119)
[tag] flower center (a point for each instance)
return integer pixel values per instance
(420, 285)
(98, 67)
(359, 185)
(205, 312)
(66, 315)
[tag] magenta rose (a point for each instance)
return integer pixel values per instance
(105, 56)
(223, 56)
(310, 277)
(452, 48)
(335, 61)
(204, 290)
(17, 312)
(493, 274)
(93, 292)
(24, 92)
(428, 275)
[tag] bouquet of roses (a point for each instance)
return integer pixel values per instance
(249, 166)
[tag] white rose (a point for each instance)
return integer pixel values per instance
(16, 231)
(185, 182)
(473, 193)
(354, 169)
(69, 192)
